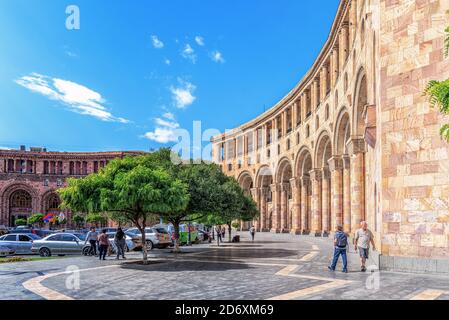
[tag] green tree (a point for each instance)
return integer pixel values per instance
(79, 220)
(96, 218)
(36, 219)
(235, 205)
(132, 189)
(438, 92)
(21, 222)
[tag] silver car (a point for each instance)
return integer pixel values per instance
(130, 245)
(5, 250)
(20, 243)
(155, 237)
(60, 244)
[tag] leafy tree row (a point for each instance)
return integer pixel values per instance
(134, 189)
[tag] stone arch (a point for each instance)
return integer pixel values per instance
(303, 162)
(284, 173)
(342, 132)
(25, 192)
(360, 102)
(323, 151)
(49, 200)
(246, 181)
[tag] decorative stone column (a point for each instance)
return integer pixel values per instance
(356, 148)
(255, 195)
(346, 193)
(352, 22)
(276, 216)
(263, 209)
(323, 79)
(325, 206)
(336, 169)
(296, 206)
(304, 205)
(343, 45)
(334, 70)
(284, 207)
(315, 177)
(315, 95)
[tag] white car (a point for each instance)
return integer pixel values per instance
(155, 237)
(130, 245)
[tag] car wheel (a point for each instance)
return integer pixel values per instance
(86, 251)
(45, 252)
(150, 245)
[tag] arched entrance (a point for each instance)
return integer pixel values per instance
(303, 168)
(246, 183)
(284, 174)
(264, 182)
(323, 155)
(21, 206)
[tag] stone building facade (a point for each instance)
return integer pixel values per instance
(29, 179)
(356, 139)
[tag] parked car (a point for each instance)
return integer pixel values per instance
(155, 237)
(43, 232)
(203, 235)
(6, 250)
(128, 246)
(21, 230)
(60, 244)
(20, 242)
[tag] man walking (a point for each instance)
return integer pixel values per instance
(363, 238)
(218, 231)
(92, 236)
(252, 231)
(120, 243)
(340, 247)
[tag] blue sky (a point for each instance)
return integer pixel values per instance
(137, 70)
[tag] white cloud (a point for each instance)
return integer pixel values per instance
(71, 54)
(162, 135)
(182, 95)
(199, 40)
(167, 62)
(5, 148)
(158, 44)
(165, 131)
(217, 56)
(189, 53)
(76, 97)
(167, 124)
(169, 116)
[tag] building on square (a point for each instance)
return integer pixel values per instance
(356, 139)
(29, 179)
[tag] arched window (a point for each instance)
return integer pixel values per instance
(307, 131)
(317, 122)
(297, 138)
(288, 144)
(279, 149)
(21, 199)
(53, 201)
(326, 113)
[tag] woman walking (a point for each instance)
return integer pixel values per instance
(103, 242)
(120, 243)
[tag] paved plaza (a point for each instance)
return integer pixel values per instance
(278, 267)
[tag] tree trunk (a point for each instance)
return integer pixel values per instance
(230, 231)
(144, 243)
(176, 227)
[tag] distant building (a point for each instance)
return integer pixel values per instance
(29, 179)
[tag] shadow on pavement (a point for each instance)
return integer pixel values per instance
(180, 265)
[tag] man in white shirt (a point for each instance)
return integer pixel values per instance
(363, 238)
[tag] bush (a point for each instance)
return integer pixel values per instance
(21, 222)
(236, 225)
(37, 218)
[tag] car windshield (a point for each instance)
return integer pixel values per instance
(161, 230)
(80, 236)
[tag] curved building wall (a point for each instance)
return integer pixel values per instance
(356, 139)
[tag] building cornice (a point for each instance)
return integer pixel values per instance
(307, 79)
